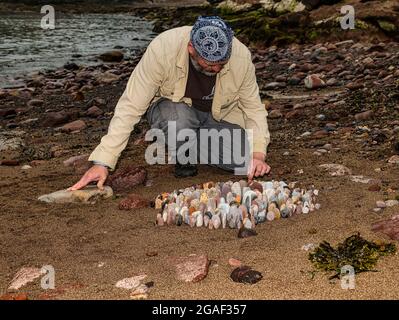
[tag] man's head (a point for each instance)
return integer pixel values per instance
(210, 44)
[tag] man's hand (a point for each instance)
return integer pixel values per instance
(258, 166)
(95, 173)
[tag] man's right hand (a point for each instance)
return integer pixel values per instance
(95, 173)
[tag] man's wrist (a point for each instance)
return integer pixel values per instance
(259, 156)
(99, 163)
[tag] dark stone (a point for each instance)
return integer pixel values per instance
(126, 178)
(245, 274)
(246, 233)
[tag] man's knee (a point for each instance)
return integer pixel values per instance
(165, 111)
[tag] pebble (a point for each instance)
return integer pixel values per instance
(77, 125)
(314, 82)
(235, 262)
(394, 159)
(336, 170)
(366, 115)
(245, 274)
(131, 283)
(381, 204)
(26, 167)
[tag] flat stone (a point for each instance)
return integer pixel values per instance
(88, 195)
(362, 116)
(336, 169)
(73, 126)
(131, 283)
(24, 276)
(193, 268)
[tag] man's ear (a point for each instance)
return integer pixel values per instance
(191, 49)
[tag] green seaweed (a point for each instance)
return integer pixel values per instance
(355, 251)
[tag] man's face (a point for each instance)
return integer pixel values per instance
(208, 68)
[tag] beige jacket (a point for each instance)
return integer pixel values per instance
(163, 72)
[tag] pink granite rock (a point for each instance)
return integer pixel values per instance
(193, 268)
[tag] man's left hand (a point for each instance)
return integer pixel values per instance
(258, 166)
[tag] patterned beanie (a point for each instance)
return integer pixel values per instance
(212, 38)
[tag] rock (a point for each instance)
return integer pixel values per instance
(126, 178)
(275, 85)
(6, 113)
(391, 203)
(314, 82)
(320, 134)
(111, 56)
(354, 85)
(107, 77)
(11, 140)
(246, 233)
(294, 80)
(52, 119)
(394, 159)
(193, 268)
(139, 293)
(234, 262)
(131, 283)
(76, 125)
(308, 247)
(360, 179)
(90, 194)
(389, 227)
(336, 169)
(10, 163)
(78, 96)
(133, 201)
(94, 112)
(24, 276)
(368, 62)
(245, 274)
(381, 204)
(26, 167)
(35, 103)
(274, 114)
(374, 187)
(71, 66)
(366, 115)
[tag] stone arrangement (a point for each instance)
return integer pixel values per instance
(237, 205)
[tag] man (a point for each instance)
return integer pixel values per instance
(205, 79)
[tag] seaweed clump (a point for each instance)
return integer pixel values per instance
(355, 251)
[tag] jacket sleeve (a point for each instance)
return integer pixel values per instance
(255, 114)
(141, 88)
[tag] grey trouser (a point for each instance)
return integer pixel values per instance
(226, 154)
